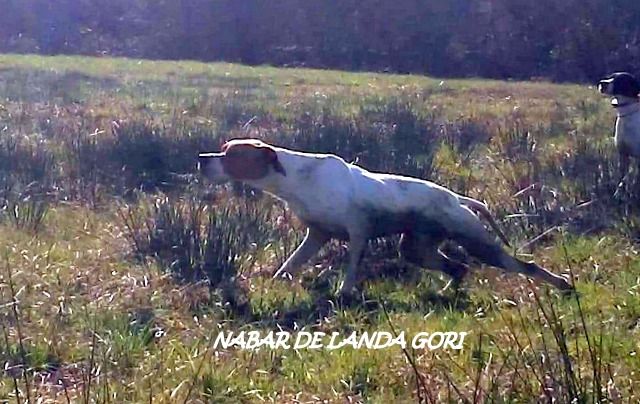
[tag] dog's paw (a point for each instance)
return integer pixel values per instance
(568, 291)
(564, 284)
(565, 287)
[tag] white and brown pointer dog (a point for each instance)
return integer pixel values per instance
(335, 199)
(624, 90)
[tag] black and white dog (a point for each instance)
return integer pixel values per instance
(624, 90)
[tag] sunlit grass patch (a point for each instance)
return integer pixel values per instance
(281, 301)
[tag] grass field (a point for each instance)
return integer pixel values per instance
(118, 266)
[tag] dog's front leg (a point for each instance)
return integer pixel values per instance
(313, 241)
(357, 246)
(624, 173)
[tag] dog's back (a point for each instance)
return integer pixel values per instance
(398, 193)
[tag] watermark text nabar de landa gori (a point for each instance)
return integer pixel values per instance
(251, 340)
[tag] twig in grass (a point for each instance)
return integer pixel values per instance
(558, 331)
(18, 320)
(545, 346)
(127, 217)
(105, 382)
(457, 390)
(506, 356)
(150, 392)
(477, 390)
(593, 356)
(538, 237)
(160, 362)
(66, 390)
(420, 383)
(568, 215)
(199, 368)
(15, 380)
(88, 380)
(519, 346)
(247, 124)
(496, 378)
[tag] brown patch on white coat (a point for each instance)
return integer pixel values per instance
(242, 160)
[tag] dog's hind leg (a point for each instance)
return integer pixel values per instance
(313, 241)
(490, 253)
(422, 250)
(479, 243)
(357, 246)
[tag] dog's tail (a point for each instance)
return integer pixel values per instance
(484, 210)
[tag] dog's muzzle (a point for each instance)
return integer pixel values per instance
(210, 165)
(205, 158)
(605, 86)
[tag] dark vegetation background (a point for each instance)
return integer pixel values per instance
(570, 40)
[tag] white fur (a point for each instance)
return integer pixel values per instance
(627, 135)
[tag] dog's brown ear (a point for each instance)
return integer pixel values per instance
(272, 157)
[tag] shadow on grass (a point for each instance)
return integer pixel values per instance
(401, 288)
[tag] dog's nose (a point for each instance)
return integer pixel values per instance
(202, 161)
(205, 159)
(603, 85)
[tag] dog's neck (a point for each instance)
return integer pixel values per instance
(283, 186)
(629, 107)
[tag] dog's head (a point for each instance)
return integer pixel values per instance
(241, 160)
(623, 88)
